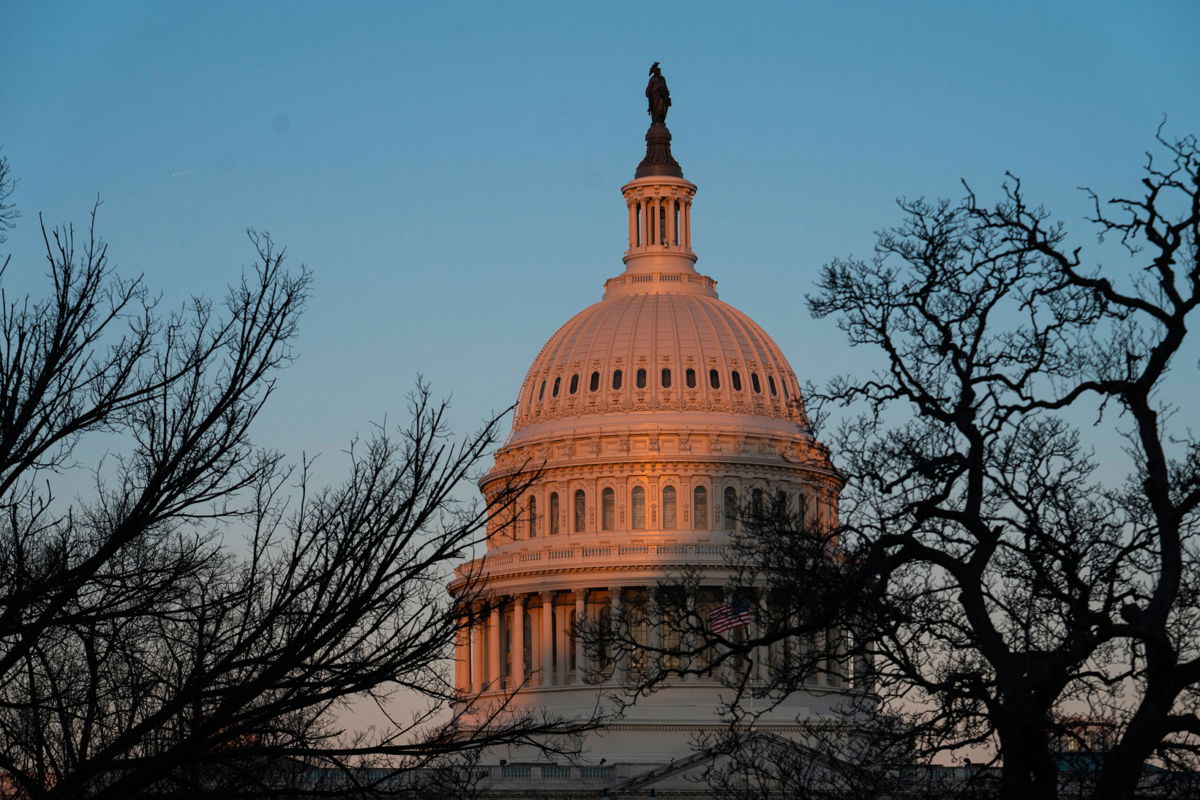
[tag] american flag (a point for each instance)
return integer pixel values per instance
(730, 616)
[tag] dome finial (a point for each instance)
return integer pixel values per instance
(658, 160)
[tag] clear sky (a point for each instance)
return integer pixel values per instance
(450, 171)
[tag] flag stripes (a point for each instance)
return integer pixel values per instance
(729, 616)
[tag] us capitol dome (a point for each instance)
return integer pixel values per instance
(642, 424)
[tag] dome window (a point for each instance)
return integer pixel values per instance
(754, 383)
(616, 379)
(554, 391)
(714, 379)
(641, 379)
(574, 384)
(666, 378)
(771, 384)
(731, 508)
(700, 508)
(580, 511)
(533, 518)
(638, 507)
(554, 513)
(542, 391)
(668, 507)
(690, 378)
(594, 383)
(737, 381)
(608, 509)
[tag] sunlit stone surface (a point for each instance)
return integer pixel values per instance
(649, 415)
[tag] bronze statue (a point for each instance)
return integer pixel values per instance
(658, 160)
(658, 95)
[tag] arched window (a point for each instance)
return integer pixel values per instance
(574, 384)
(554, 391)
(756, 502)
(594, 383)
(754, 383)
(638, 508)
(771, 385)
(532, 517)
(783, 385)
(554, 513)
(714, 379)
(666, 378)
(641, 379)
(542, 390)
(731, 508)
(737, 381)
(608, 509)
(700, 508)
(616, 379)
(690, 377)
(668, 508)
(580, 511)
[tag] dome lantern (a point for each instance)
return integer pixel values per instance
(659, 205)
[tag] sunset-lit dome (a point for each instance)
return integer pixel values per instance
(644, 425)
(672, 346)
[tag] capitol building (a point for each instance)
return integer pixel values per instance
(642, 427)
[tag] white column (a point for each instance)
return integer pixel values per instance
(493, 671)
(654, 632)
(688, 640)
(547, 676)
(618, 671)
(478, 667)
(632, 224)
(462, 656)
(580, 651)
(685, 219)
(670, 221)
(518, 641)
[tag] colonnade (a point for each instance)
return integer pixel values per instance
(531, 640)
(658, 221)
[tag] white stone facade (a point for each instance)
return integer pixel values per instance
(648, 418)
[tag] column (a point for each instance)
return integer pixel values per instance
(580, 651)
(614, 618)
(518, 642)
(493, 670)
(654, 631)
(462, 655)
(685, 219)
(548, 677)
(671, 222)
(759, 655)
(632, 224)
(688, 640)
(478, 667)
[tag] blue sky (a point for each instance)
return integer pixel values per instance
(450, 172)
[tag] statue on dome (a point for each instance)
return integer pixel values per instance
(658, 95)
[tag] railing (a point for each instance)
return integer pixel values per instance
(654, 553)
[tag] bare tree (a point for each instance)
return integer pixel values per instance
(992, 582)
(191, 622)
